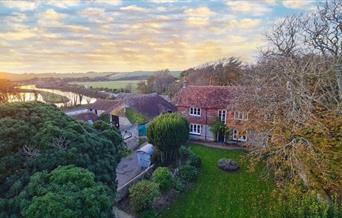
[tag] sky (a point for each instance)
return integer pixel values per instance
(42, 36)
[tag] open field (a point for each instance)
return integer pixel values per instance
(221, 194)
(117, 84)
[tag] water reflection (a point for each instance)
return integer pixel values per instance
(74, 98)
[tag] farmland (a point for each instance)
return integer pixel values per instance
(117, 84)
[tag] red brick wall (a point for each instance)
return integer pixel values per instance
(208, 116)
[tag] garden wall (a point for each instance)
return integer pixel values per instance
(123, 190)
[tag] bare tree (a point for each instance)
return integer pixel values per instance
(294, 98)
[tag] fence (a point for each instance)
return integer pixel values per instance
(123, 190)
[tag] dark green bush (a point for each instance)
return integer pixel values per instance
(67, 191)
(179, 185)
(142, 194)
(184, 152)
(195, 161)
(187, 173)
(168, 132)
(36, 137)
(163, 177)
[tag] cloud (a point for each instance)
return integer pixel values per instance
(63, 4)
(198, 16)
(254, 8)
(133, 8)
(96, 15)
(245, 23)
(297, 4)
(18, 34)
(162, 1)
(109, 2)
(50, 18)
(20, 5)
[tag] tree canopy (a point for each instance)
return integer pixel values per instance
(67, 191)
(35, 137)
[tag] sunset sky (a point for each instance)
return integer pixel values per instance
(113, 35)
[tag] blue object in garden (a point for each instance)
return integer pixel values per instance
(142, 128)
(144, 155)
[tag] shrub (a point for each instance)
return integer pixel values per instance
(195, 161)
(294, 203)
(184, 152)
(187, 173)
(163, 177)
(142, 194)
(179, 185)
(167, 132)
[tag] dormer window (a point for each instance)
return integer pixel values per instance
(195, 111)
(240, 115)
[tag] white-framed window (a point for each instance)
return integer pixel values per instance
(222, 114)
(195, 129)
(240, 115)
(235, 134)
(195, 111)
(243, 136)
(239, 135)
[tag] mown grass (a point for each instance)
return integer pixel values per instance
(117, 84)
(221, 194)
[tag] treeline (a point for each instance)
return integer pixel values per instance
(227, 71)
(54, 166)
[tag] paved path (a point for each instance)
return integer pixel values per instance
(127, 169)
(219, 145)
(121, 214)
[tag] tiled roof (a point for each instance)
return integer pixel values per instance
(206, 96)
(148, 105)
(86, 116)
(105, 105)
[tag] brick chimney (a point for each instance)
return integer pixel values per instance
(338, 72)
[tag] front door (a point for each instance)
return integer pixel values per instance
(115, 121)
(220, 137)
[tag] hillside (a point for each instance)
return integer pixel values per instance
(135, 75)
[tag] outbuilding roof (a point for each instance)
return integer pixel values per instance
(105, 105)
(148, 105)
(85, 116)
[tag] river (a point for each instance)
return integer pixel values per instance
(74, 98)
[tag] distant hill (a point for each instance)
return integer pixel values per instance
(141, 75)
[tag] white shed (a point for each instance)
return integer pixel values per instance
(144, 155)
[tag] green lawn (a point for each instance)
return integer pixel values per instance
(221, 194)
(117, 84)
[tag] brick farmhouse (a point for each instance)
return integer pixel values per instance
(203, 105)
